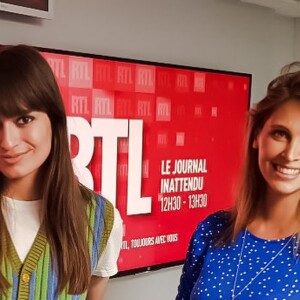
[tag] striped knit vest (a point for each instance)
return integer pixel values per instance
(36, 279)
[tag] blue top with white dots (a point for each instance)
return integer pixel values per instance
(267, 269)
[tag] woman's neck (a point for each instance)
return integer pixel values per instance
(24, 189)
(278, 216)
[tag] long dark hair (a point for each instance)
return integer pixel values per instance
(252, 188)
(27, 83)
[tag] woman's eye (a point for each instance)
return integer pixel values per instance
(280, 134)
(24, 120)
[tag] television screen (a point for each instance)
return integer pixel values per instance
(162, 142)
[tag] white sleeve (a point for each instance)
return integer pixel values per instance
(107, 264)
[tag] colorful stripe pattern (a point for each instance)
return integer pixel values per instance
(36, 278)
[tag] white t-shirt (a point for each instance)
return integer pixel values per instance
(23, 222)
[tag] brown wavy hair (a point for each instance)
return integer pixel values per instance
(27, 83)
(252, 188)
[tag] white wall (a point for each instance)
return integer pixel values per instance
(218, 34)
(297, 40)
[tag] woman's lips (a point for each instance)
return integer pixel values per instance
(286, 171)
(12, 159)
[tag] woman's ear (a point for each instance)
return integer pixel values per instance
(255, 144)
(255, 138)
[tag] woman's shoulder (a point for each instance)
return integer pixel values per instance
(104, 205)
(218, 217)
(102, 201)
(213, 224)
(91, 197)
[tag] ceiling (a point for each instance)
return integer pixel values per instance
(290, 8)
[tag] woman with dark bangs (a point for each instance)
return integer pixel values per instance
(252, 251)
(59, 240)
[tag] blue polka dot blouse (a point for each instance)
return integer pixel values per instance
(252, 268)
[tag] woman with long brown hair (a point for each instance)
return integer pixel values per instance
(252, 250)
(59, 240)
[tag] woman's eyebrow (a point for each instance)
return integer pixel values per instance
(24, 112)
(279, 126)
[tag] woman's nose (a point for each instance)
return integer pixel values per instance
(9, 136)
(292, 151)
